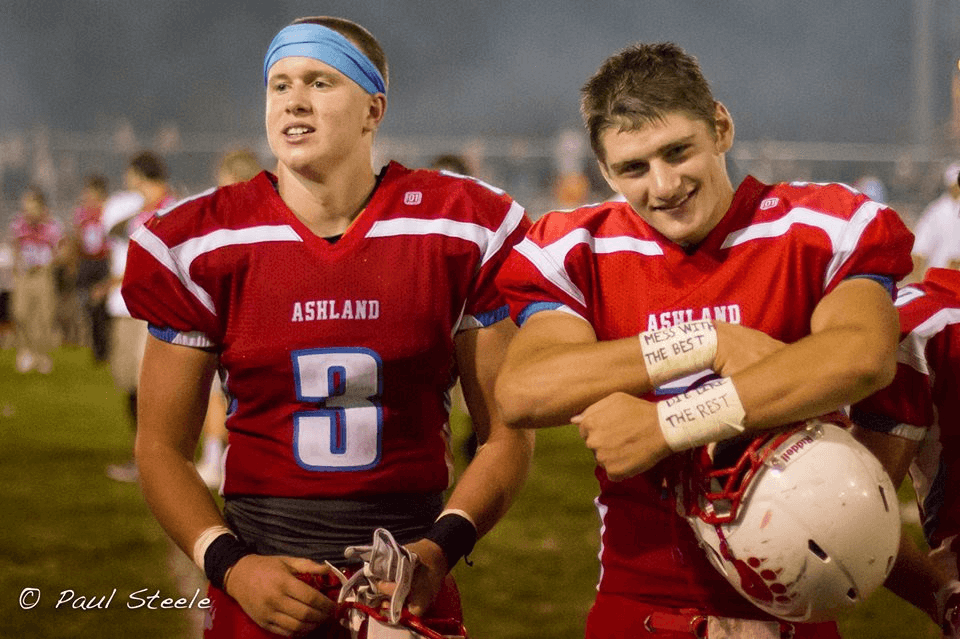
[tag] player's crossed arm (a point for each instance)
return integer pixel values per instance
(556, 367)
(556, 371)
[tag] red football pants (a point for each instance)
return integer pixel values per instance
(617, 617)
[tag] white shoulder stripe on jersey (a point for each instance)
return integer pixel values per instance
(485, 185)
(545, 262)
(844, 235)
(488, 241)
(913, 348)
(179, 258)
(509, 225)
(162, 212)
(852, 232)
(549, 259)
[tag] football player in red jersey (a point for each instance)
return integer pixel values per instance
(37, 240)
(911, 426)
(339, 306)
(712, 279)
(93, 260)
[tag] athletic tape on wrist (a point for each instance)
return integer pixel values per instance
(204, 540)
(671, 353)
(457, 511)
(455, 533)
(708, 413)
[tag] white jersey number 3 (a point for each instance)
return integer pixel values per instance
(345, 432)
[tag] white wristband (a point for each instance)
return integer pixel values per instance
(457, 511)
(204, 540)
(671, 353)
(705, 414)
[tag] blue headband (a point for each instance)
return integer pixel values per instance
(326, 45)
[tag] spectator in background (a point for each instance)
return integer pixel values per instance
(89, 240)
(450, 162)
(937, 243)
(6, 289)
(36, 238)
(146, 176)
(235, 166)
(872, 187)
(67, 327)
(238, 165)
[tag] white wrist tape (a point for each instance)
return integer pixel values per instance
(457, 511)
(708, 413)
(671, 353)
(205, 539)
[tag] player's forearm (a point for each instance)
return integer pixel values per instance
(494, 477)
(820, 373)
(172, 401)
(173, 490)
(914, 578)
(548, 386)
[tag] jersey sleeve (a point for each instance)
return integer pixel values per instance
(927, 356)
(486, 304)
(904, 408)
(874, 242)
(538, 275)
(159, 287)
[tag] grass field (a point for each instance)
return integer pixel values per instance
(67, 527)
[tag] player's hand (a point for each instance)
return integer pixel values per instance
(739, 347)
(267, 589)
(624, 434)
(428, 577)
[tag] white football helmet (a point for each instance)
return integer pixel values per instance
(804, 522)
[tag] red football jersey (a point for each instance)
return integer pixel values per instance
(776, 253)
(91, 234)
(923, 399)
(36, 242)
(337, 356)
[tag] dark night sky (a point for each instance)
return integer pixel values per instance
(804, 70)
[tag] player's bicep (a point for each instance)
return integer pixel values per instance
(173, 391)
(549, 329)
(863, 309)
(859, 303)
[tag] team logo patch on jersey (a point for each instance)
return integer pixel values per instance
(769, 203)
(412, 198)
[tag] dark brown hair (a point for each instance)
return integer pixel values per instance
(641, 84)
(149, 165)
